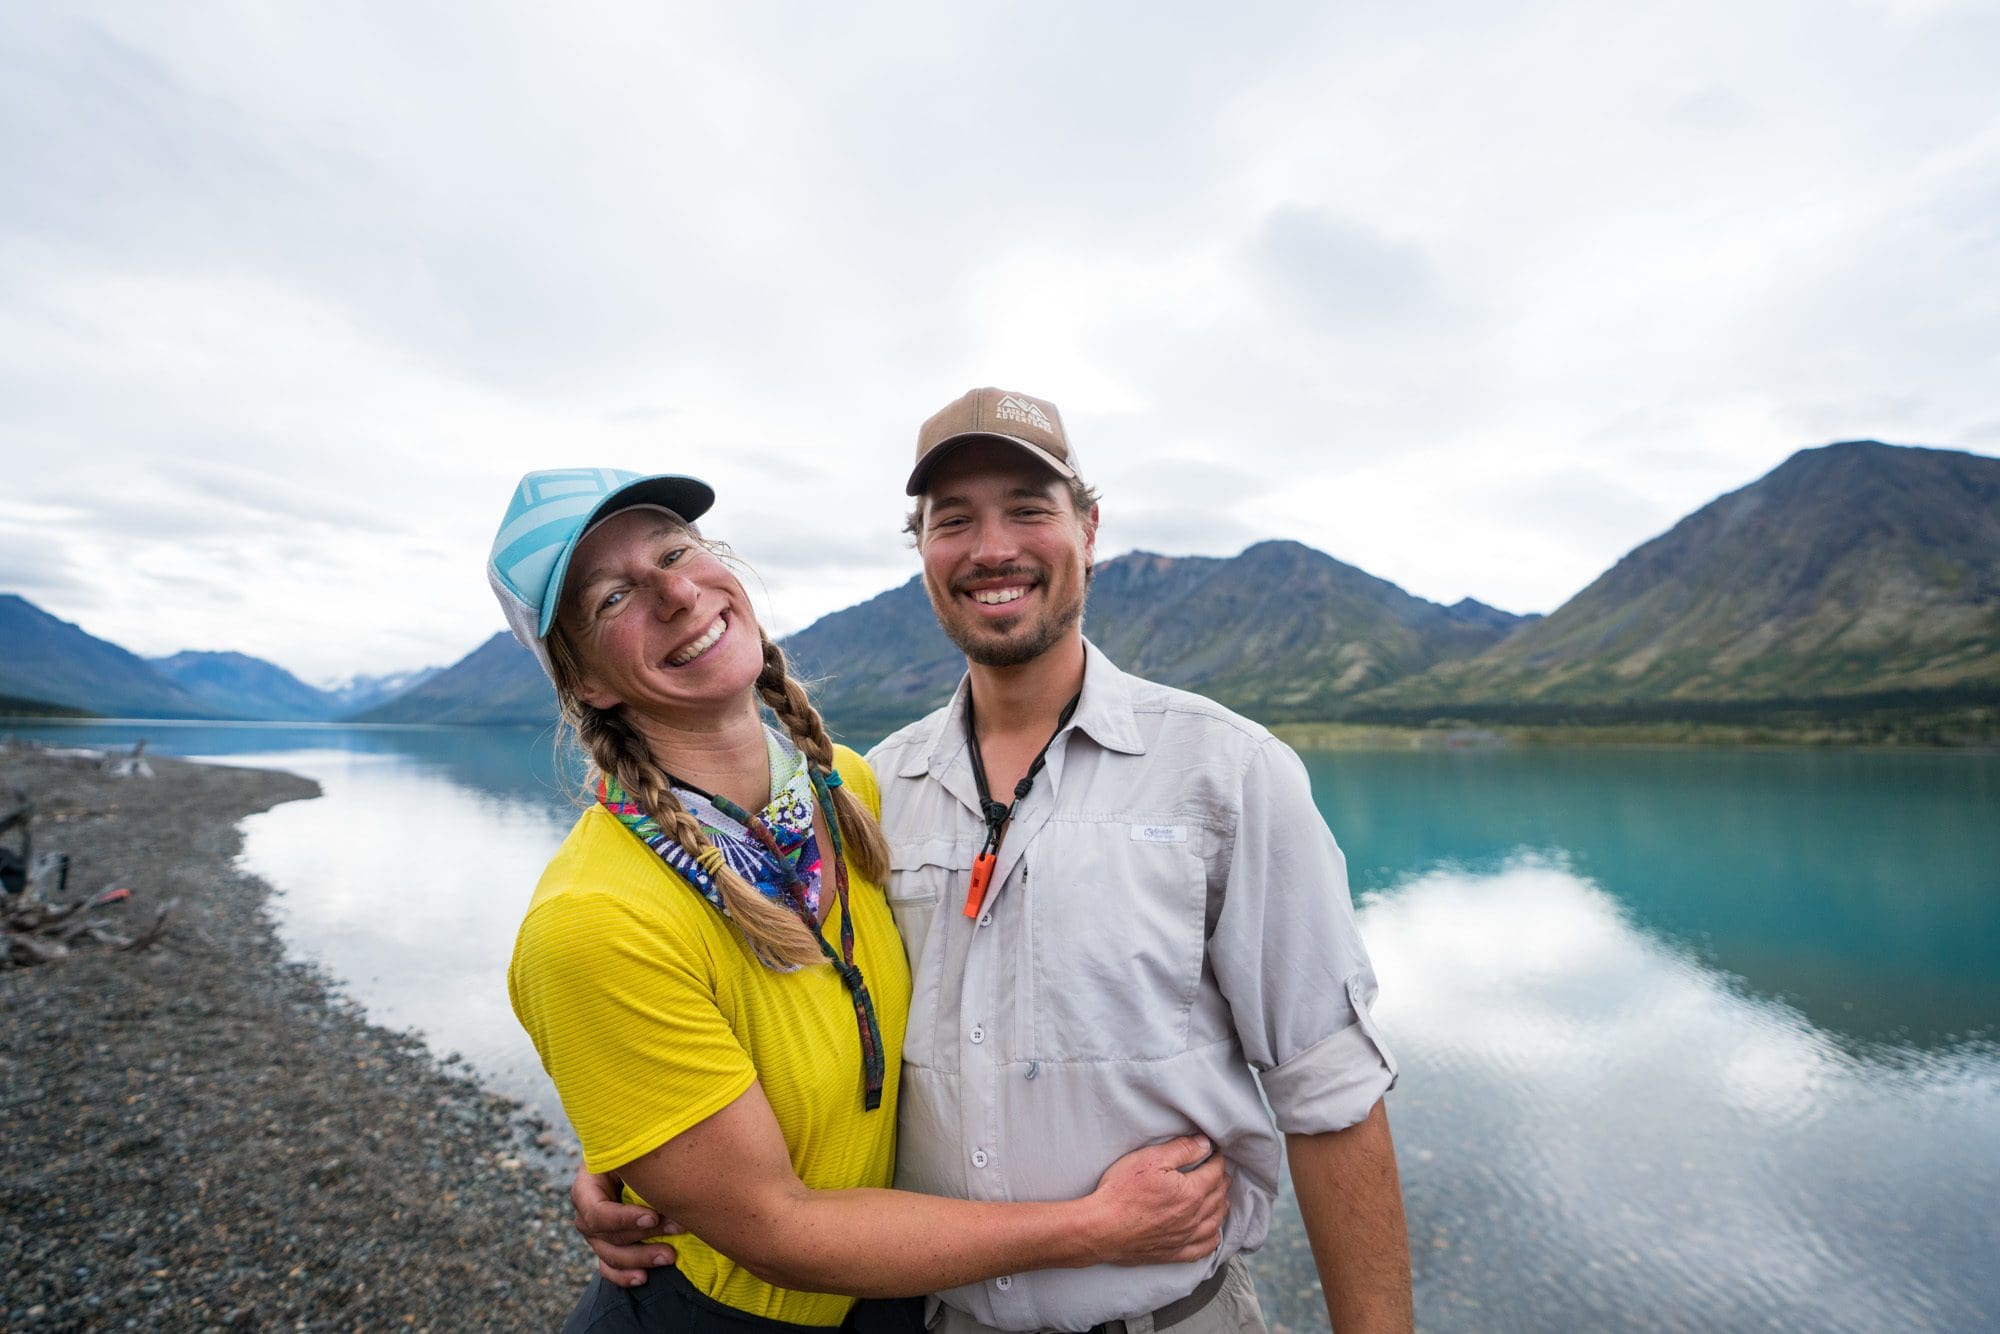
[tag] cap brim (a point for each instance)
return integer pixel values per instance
(688, 497)
(950, 444)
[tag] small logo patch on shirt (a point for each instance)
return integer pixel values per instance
(1159, 833)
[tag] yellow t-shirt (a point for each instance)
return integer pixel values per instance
(651, 1014)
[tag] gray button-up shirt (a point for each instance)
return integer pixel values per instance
(1169, 912)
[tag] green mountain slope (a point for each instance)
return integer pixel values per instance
(1853, 575)
(1852, 570)
(876, 666)
(1280, 631)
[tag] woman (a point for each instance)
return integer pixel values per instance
(720, 1006)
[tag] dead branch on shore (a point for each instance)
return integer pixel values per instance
(130, 766)
(38, 924)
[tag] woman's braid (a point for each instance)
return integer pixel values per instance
(787, 699)
(774, 931)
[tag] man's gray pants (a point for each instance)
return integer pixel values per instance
(1233, 1310)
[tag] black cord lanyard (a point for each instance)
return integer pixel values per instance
(872, 1067)
(995, 814)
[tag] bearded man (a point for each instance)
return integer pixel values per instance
(1125, 918)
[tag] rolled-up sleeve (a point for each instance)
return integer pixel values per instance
(1289, 960)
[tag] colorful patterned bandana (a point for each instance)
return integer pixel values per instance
(777, 851)
(788, 817)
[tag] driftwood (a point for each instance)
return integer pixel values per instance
(130, 766)
(44, 932)
(38, 924)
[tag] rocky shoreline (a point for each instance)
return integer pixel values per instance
(206, 1136)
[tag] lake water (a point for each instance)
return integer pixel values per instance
(1699, 1040)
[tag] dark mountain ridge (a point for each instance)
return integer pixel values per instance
(49, 664)
(1852, 575)
(53, 661)
(237, 685)
(498, 682)
(1852, 570)
(1279, 631)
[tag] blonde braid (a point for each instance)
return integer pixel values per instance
(860, 832)
(775, 932)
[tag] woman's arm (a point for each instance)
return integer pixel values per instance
(729, 1180)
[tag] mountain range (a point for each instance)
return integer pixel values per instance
(1279, 631)
(51, 663)
(1851, 573)
(499, 682)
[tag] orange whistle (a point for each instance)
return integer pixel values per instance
(975, 894)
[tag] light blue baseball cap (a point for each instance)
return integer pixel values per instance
(547, 516)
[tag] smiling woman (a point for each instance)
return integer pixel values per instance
(678, 968)
(640, 563)
(655, 621)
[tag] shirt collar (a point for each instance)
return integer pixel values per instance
(1104, 714)
(947, 740)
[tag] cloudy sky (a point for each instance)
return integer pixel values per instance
(1473, 296)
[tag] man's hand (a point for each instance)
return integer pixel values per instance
(617, 1231)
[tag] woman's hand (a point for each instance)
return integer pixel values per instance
(1156, 1206)
(616, 1230)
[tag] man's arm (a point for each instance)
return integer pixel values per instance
(1290, 961)
(1352, 1203)
(616, 1231)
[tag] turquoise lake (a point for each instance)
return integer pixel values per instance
(1689, 1039)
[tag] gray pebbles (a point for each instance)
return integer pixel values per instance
(206, 1136)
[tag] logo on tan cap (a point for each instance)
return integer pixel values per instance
(1014, 408)
(1028, 423)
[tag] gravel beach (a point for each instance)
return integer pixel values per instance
(205, 1135)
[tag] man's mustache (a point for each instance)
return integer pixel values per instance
(981, 576)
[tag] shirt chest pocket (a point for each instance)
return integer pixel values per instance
(1116, 920)
(920, 869)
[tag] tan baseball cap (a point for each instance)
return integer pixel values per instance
(993, 414)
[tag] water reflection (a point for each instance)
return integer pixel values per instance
(1599, 1129)
(1697, 1062)
(521, 762)
(409, 887)
(1862, 887)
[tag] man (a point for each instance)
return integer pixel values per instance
(1117, 900)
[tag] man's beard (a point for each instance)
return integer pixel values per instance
(1012, 648)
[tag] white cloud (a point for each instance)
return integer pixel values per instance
(288, 297)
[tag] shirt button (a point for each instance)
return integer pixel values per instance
(1004, 1282)
(979, 1157)
(986, 918)
(978, 1033)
